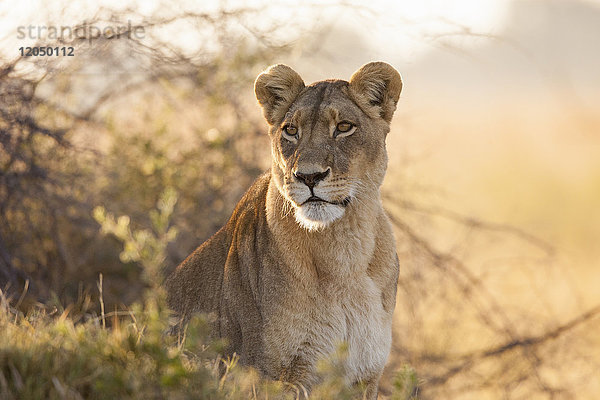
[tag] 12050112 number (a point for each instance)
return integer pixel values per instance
(47, 51)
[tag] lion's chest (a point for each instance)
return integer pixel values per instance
(317, 322)
(367, 328)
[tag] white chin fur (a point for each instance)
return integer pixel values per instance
(315, 216)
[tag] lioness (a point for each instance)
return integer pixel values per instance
(308, 259)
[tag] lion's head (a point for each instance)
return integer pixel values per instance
(328, 138)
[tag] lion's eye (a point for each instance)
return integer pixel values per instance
(343, 129)
(344, 126)
(291, 130)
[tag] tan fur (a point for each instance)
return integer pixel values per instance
(289, 281)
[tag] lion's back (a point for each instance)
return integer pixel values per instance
(196, 286)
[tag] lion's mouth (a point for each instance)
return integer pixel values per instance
(315, 199)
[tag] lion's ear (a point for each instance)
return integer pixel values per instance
(276, 89)
(378, 84)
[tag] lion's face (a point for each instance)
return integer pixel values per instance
(328, 139)
(327, 153)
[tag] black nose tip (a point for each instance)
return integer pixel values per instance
(311, 180)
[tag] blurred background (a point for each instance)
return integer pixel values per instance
(493, 183)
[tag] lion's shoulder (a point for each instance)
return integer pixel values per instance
(251, 207)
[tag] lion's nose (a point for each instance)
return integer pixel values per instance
(311, 180)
